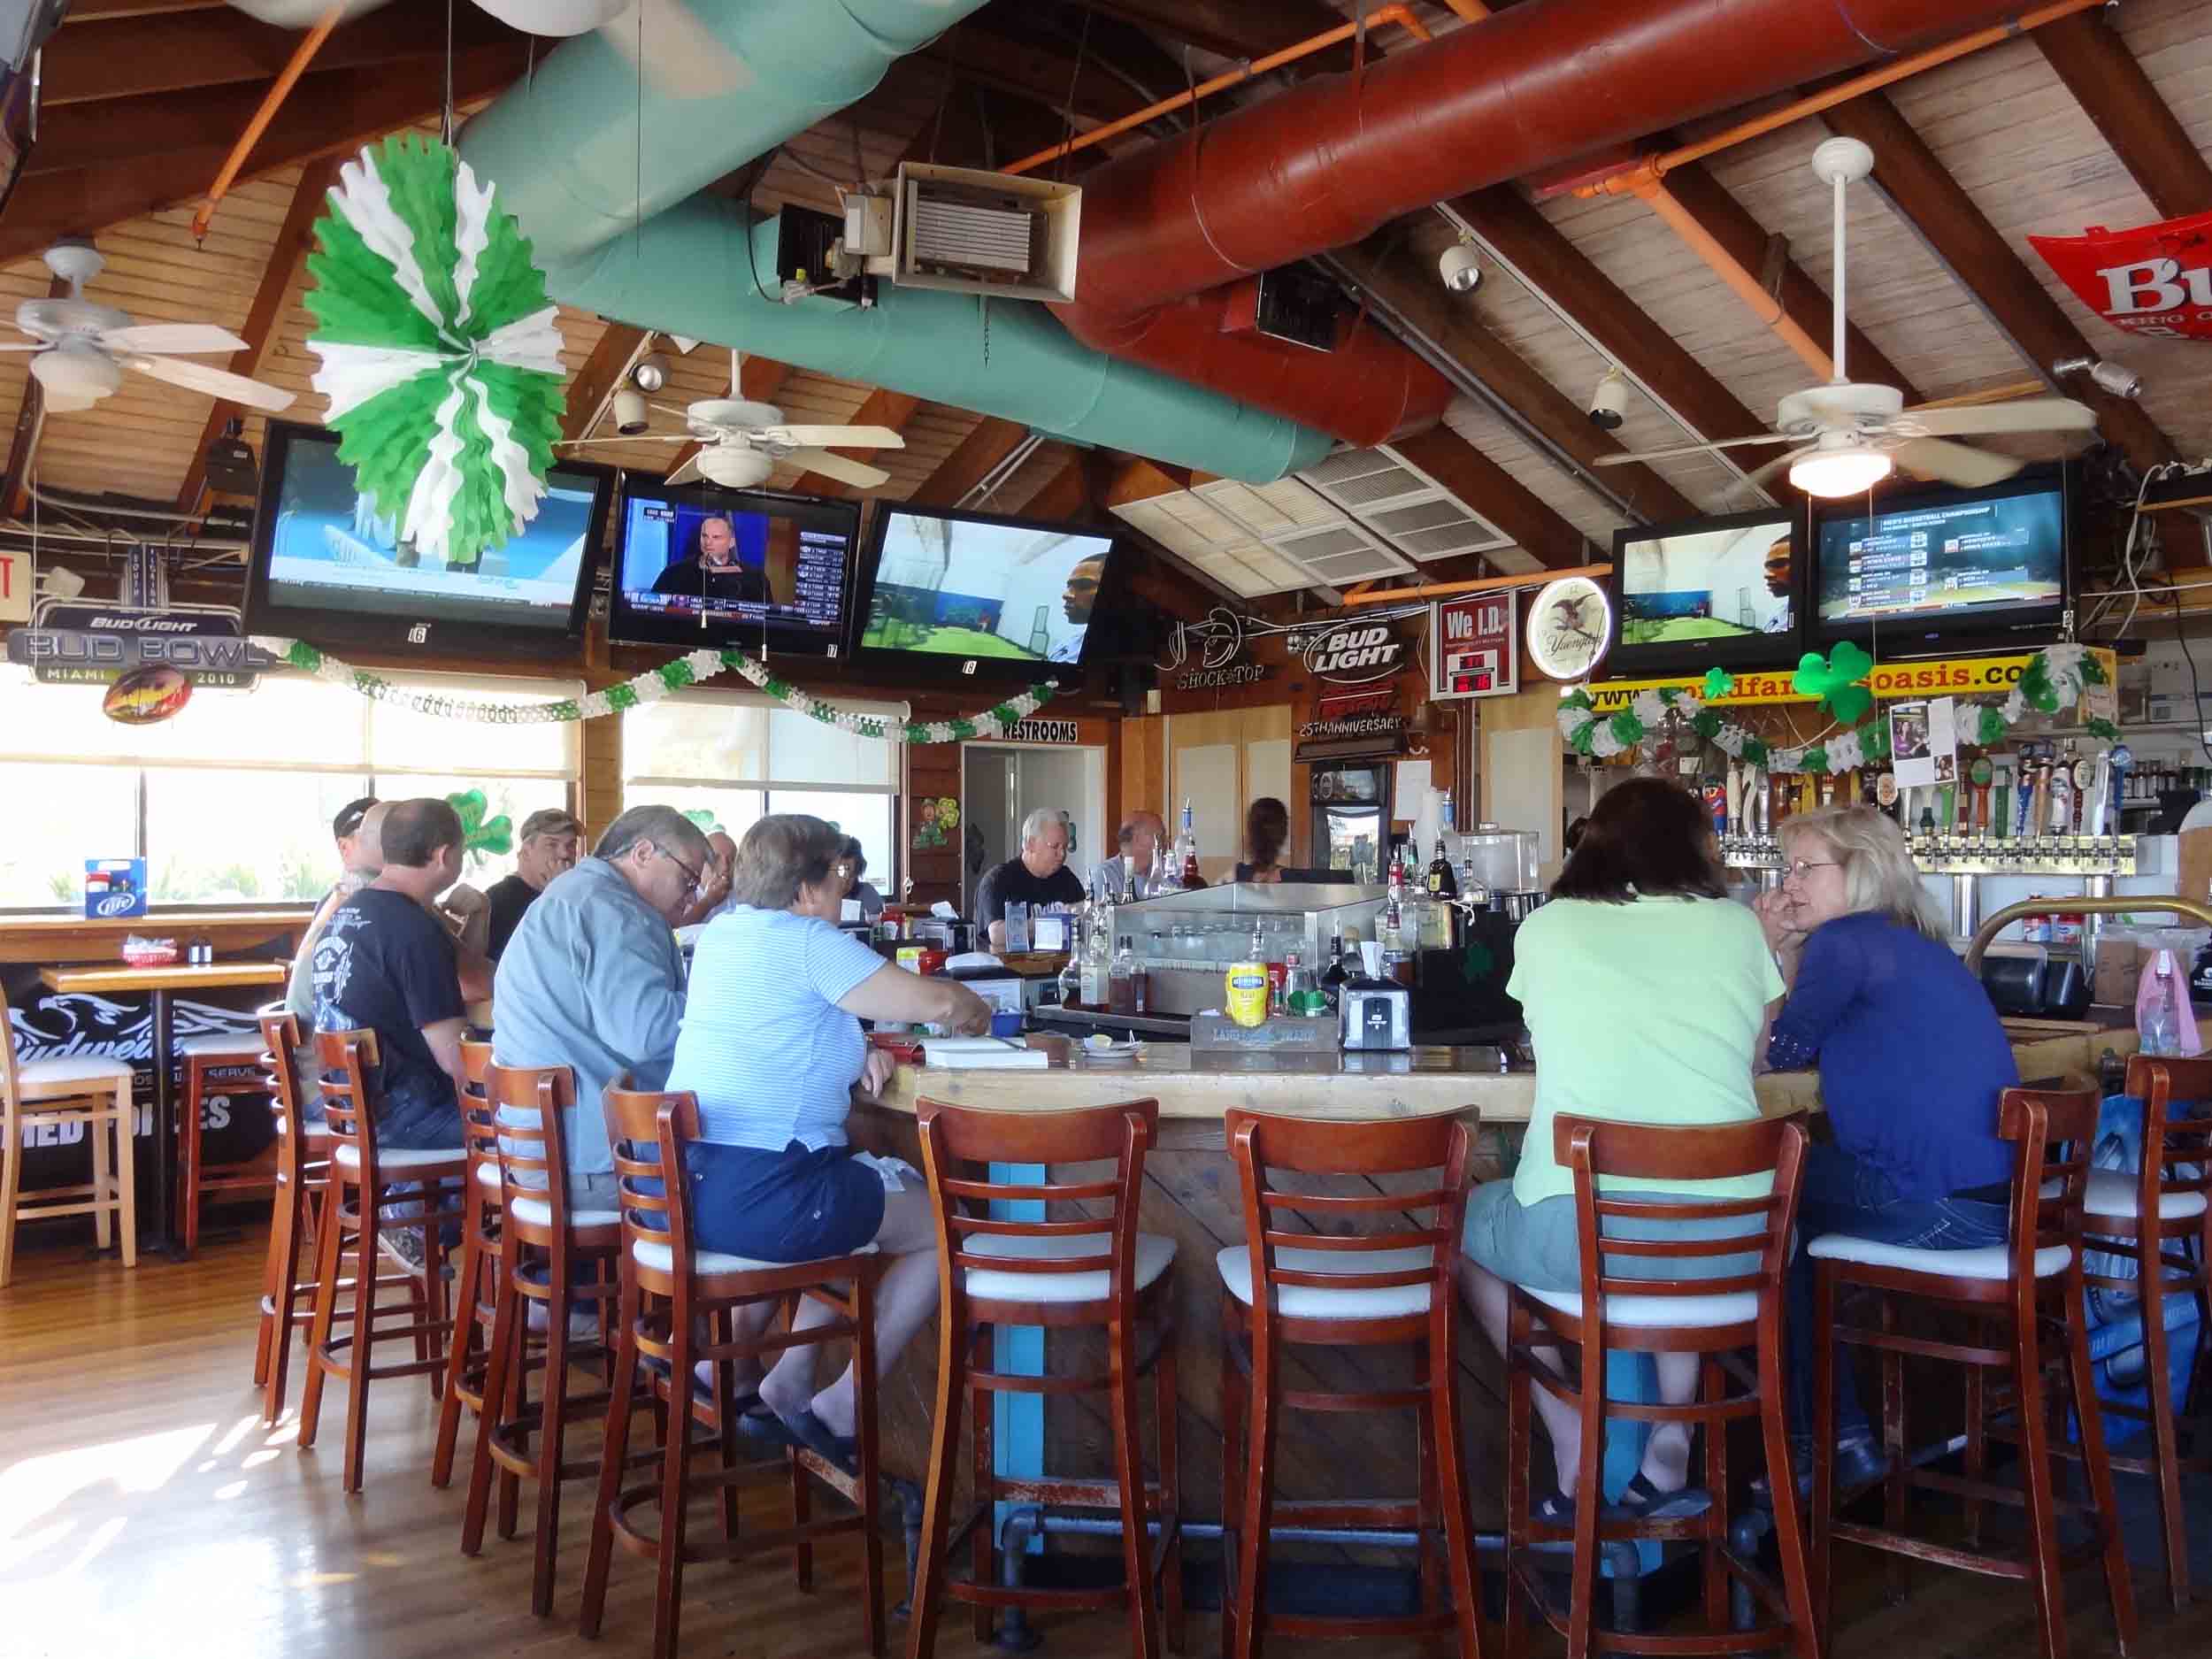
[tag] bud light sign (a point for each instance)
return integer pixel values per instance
(2155, 279)
(1353, 653)
(113, 887)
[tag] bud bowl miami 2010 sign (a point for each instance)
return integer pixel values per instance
(2155, 279)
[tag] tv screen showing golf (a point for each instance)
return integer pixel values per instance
(949, 585)
(699, 561)
(1981, 553)
(1708, 581)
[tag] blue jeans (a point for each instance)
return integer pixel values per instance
(1842, 1194)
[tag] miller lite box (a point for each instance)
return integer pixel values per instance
(114, 887)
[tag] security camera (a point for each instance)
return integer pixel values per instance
(629, 412)
(2115, 377)
(650, 372)
(1609, 404)
(1456, 265)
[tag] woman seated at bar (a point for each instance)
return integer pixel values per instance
(770, 1045)
(1266, 833)
(1912, 1058)
(1645, 991)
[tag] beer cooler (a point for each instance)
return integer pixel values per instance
(1351, 817)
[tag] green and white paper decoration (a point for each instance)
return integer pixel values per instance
(440, 354)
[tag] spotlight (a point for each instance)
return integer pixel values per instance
(630, 417)
(650, 372)
(2115, 377)
(1456, 265)
(1609, 404)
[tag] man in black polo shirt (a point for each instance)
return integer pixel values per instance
(1038, 876)
(549, 840)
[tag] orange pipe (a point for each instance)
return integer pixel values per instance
(279, 90)
(1440, 590)
(1401, 15)
(1629, 181)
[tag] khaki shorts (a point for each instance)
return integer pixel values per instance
(1536, 1245)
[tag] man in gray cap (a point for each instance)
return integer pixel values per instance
(549, 842)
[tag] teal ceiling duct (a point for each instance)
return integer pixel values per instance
(586, 146)
(695, 271)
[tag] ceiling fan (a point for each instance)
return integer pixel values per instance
(83, 347)
(1851, 435)
(740, 442)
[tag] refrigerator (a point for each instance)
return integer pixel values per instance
(1351, 817)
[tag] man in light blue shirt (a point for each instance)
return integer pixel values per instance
(593, 979)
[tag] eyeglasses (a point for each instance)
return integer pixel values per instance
(697, 877)
(1794, 870)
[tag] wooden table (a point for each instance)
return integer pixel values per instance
(158, 983)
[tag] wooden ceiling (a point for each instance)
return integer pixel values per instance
(144, 97)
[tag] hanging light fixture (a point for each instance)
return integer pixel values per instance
(1838, 465)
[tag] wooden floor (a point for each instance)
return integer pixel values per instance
(144, 1510)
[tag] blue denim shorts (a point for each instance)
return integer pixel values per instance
(800, 1204)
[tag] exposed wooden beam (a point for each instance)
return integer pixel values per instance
(1923, 192)
(265, 317)
(995, 50)
(1547, 261)
(594, 384)
(880, 408)
(1407, 288)
(1066, 495)
(970, 462)
(122, 57)
(1495, 493)
(1140, 479)
(30, 420)
(2126, 109)
(49, 206)
(1230, 30)
(1803, 301)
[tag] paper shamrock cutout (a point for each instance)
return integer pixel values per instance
(1836, 681)
(1718, 683)
(478, 837)
(704, 818)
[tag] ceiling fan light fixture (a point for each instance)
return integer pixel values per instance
(1844, 470)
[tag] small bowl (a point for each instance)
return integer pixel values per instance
(1005, 1025)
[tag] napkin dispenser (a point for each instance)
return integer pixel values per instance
(1374, 1015)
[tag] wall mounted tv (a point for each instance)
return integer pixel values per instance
(702, 565)
(1727, 590)
(978, 595)
(1933, 567)
(327, 569)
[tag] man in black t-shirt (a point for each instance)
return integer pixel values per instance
(387, 963)
(549, 842)
(713, 571)
(1038, 876)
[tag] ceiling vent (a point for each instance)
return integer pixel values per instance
(975, 232)
(1402, 504)
(1258, 539)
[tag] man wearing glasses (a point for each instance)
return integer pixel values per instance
(593, 979)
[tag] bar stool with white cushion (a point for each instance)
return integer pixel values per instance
(89, 1090)
(2019, 1287)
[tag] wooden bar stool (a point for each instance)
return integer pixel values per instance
(2034, 1280)
(672, 1292)
(203, 1057)
(360, 1176)
(2171, 1257)
(1281, 1288)
(475, 1298)
(1085, 1268)
(302, 1186)
(93, 1093)
(1713, 1318)
(546, 1249)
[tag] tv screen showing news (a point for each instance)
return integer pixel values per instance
(1956, 554)
(701, 564)
(974, 587)
(325, 551)
(1728, 581)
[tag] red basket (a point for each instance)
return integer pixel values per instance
(151, 953)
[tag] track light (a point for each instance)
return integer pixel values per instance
(630, 417)
(1609, 404)
(2115, 377)
(1457, 266)
(650, 373)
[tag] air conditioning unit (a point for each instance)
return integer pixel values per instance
(973, 231)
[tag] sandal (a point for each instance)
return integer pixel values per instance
(803, 1431)
(1641, 1500)
(1557, 1510)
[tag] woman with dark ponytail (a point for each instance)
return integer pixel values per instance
(1266, 832)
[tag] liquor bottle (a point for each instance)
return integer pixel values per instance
(1335, 974)
(1301, 996)
(1128, 879)
(1095, 965)
(1187, 846)
(1121, 987)
(1396, 882)
(1443, 882)
(1071, 975)
(1166, 874)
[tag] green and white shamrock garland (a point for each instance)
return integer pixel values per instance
(703, 663)
(440, 355)
(2054, 679)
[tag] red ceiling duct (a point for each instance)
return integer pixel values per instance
(1334, 158)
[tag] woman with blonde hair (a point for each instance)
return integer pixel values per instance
(1912, 1059)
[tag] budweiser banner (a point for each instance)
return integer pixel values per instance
(2155, 279)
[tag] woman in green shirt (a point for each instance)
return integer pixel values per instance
(1646, 990)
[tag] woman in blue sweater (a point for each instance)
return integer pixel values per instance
(1912, 1059)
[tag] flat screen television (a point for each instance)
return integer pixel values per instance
(325, 568)
(980, 595)
(1936, 567)
(703, 564)
(1726, 590)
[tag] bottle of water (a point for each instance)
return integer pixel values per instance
(2161, 1020)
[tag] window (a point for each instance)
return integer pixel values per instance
(230, 802)
(731, 758)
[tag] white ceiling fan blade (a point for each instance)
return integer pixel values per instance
(1959, 463)
(688, 472)
(1694, 448)
(221, 383)
(678, 55)
(170, 337)
(2029, 414)
(843, 437)
(831, 464)
(28, 345)
(643, 437)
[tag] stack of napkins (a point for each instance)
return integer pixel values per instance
(962, 1054)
